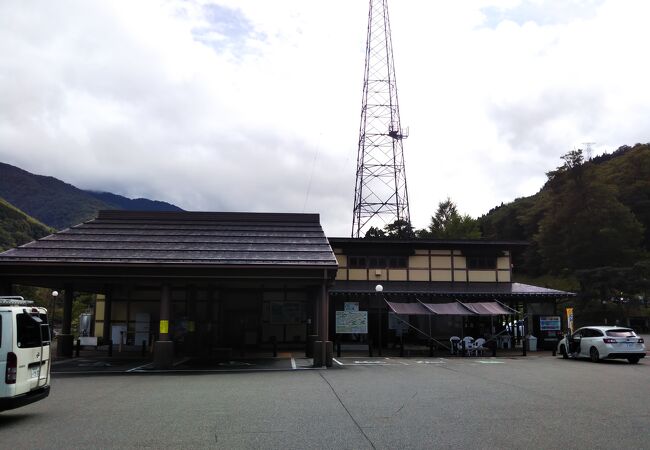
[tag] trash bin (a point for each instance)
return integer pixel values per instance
(532, 344)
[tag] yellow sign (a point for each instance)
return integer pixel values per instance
(164, 326)
(569, 319)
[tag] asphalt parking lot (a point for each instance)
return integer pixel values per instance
(516, 402)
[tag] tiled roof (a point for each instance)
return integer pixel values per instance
(446, 289)
(188, 238)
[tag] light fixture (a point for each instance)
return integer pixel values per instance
(379, 288)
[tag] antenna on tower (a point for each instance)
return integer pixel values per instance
(380, 194)
(588, 149)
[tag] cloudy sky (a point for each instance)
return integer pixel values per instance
(253, 105)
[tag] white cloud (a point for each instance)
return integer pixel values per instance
(226, 105)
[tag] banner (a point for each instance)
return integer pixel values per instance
(569, 319)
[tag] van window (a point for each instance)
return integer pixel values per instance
(29, 331)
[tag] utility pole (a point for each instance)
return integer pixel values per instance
(380, 194)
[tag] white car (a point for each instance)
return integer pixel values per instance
(598, 343)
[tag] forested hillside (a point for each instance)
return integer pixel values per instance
(589, 222)
(61, 205)
(17, 228)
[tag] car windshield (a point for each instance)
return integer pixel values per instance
(621, 333)
(29, 330)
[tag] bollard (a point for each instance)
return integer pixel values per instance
(494, 348)
(77, 348)
(338, 349)
(370, 348)
(144, 347)
(462, 347)
(524, 346)
(110, 347)
(401, 346)
(430, 348)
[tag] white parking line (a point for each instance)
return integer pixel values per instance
(338, 362)
(139, 367)
(293, 363)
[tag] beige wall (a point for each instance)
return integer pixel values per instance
(428, 265)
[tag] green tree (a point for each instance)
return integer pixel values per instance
(374, 232)
(400, 229)
(584, 226)
(448, 223)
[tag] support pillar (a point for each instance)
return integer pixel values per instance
(163, 353)
(323, 329)
(108, 301)
(65, 341)
(191, 341)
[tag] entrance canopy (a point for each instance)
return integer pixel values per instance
(449, 309)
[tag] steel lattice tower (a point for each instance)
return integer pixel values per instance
(380, 194)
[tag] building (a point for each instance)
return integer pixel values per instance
(206, 283)
(191, 282)
(435, 272)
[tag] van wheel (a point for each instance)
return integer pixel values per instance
(633, 359)
(563, 352)
(593, 354)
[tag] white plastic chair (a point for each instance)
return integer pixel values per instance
(469, 344)
(454, 342)
(478, 346)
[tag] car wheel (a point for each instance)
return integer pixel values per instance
(593, 354)
(563, 352)
(633, 359)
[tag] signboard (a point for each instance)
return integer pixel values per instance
(351, 306)
(355, 322)
(550, 323)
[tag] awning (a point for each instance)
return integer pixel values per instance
(412, 309)
(487, 308)
(449, 309)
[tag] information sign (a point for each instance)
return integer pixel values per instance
(355, 322)
(550, 323)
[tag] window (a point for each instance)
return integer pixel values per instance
(29, 330)
(377, 262)
(625, 332)
(482, 262)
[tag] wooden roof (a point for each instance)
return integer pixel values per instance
(185, 238)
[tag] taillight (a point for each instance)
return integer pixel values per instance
(641, 341)
(609, 341)
(12, 368)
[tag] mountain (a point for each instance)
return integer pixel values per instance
(589, 214)
(17, 228)
(137, 204)
(59, 204)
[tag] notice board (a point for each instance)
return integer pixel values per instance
(355, 322)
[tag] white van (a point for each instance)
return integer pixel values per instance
(24, 353)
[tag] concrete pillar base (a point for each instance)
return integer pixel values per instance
(64, 345)
(163, 354)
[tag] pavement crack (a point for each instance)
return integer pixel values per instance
(405, 403)
(347, 410)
